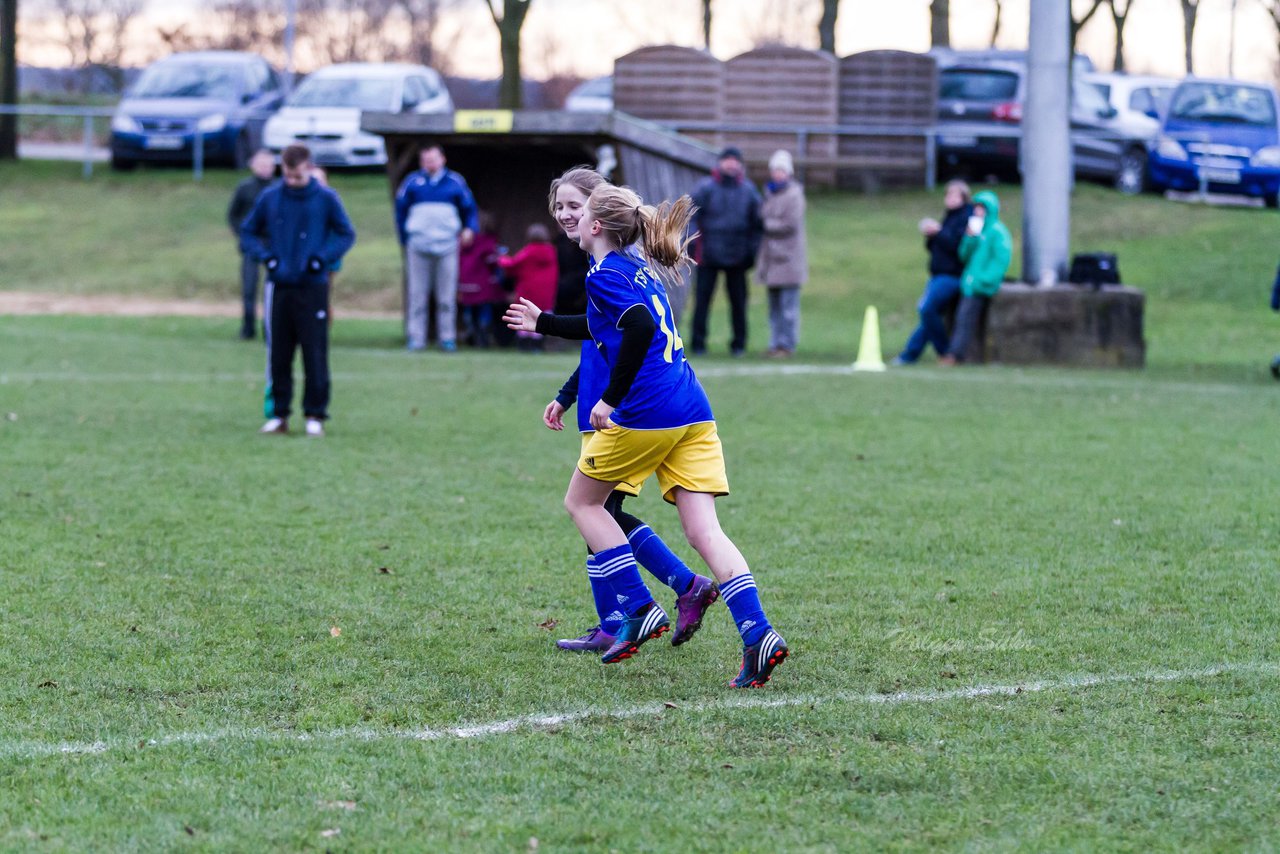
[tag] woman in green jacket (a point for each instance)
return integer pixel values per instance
(986, 251)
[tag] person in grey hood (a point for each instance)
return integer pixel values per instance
(730, 227)
(263, 167)
(434, 211)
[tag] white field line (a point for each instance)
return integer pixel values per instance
(464, 371)
(753, 700)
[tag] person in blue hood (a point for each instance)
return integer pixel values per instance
(299, 230)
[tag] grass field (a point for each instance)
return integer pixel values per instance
(1030, 609)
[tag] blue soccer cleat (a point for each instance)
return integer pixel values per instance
(635, 631)
(759, 659)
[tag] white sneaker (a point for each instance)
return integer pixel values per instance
(315, 427)
(274, 425)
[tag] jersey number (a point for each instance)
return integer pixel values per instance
(673, 337)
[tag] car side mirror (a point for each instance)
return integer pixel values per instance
(247, 97)
(1108, 112)
(1151, 114)
(408, 105)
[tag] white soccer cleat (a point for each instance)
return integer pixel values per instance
(274, 425)
(315, 427)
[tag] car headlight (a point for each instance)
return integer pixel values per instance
(212, 124)
(120, 123)
(1267, 158)
(1170, 149)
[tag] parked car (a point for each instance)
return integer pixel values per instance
(1139, 101)
(324, 111)
(593, 96)
(980, 106)
(225, 97)
(1222, 136)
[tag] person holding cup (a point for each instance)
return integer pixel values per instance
(942, 241)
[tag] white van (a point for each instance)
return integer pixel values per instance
(323, 113)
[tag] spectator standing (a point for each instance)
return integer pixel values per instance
(986, 250)
(728, 220)
(534, 273)
(942, 240)
(263, 167)
(478, 290)
(435, 212)
(783, 266)
(299, 230)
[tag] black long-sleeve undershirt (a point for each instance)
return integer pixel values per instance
(638, 328)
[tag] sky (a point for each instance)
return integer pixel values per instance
(583, 37)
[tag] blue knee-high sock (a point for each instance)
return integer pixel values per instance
(606, 607)
(618, 567)
(656, 556)
(740, 595)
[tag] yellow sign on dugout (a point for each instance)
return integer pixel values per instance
(482, 121)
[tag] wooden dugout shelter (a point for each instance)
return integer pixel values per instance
(509, 158)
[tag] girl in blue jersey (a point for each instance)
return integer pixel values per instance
(695, 593)
(652, 418)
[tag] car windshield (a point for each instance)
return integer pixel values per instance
(1227, 103)
(189, 80)
(978, 84)
(366, 93)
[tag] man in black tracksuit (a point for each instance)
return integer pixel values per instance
(730, 228)
(298, 229)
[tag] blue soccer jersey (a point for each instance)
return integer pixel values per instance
(665, 393)
(593, 379)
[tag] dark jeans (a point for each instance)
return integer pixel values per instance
(300, 318)
(967, 317)
(939, 293)
(478, 321)
(249, 273)
(735, 282)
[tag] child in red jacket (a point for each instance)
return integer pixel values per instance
(535, 273)
(478, 288)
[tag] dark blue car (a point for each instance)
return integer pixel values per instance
(224, 97)
(1222, 136)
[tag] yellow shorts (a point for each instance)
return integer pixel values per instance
(627, 488)
(689, 457)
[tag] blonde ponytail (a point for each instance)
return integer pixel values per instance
(660, 231)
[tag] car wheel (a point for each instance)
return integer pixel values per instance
(1271, 200)
(1131, 179)
(122, 164)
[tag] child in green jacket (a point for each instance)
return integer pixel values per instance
(986, 250)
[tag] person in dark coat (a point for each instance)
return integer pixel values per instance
(299, 231)
(942, 242)
(263, 167)
(730, 227)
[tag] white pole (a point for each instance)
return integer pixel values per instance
(1231, 50)
(290, 28)
(1046, 145)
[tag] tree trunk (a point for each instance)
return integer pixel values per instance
(8, 77)
(1119, 18)
(706, 24)
(995, 26)
(1077, 26)
(1189, 10)
(940, 23)
(827, 26)
(510, 94)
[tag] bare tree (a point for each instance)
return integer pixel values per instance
(1077, 24)
(254, 25)
(706, 24)
(8, 77)
(1189, 10)
(827, 25)
(782, 22)
(509, 23)
(429, 43)
(1119, 15)
(940, 22)
(95, 32)
(995, 25)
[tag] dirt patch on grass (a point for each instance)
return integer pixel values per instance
(19, 302)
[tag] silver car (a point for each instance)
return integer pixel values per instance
(1139, 101)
